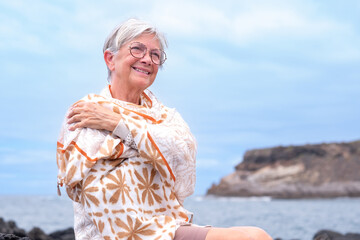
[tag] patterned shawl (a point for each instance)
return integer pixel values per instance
(128, 193)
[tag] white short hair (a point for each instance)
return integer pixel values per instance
(129, 30)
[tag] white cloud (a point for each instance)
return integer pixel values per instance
(268, 21)
(188, 18)
(82, 25)
(209, 60)
(245, 22)
(15, 36)
(24, 29)
(296, 25)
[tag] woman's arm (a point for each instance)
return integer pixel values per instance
(95, 116)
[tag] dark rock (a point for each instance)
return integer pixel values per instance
(10, 227)
(309, 171)
(326, 235)
(255, 159)
(6, 236)
(38, 234)
(288, 239)
(67, 234)
(331, 235)
(352, 236)
(9, 230)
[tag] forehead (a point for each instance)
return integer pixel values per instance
(150, 40)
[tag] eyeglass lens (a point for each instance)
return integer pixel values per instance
(138, 50)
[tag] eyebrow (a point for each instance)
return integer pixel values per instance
(145, 45)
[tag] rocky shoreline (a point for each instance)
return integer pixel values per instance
(325, 170)
(10, 231)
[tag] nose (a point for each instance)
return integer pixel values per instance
(146, 59)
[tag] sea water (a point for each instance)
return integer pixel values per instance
(286, 219)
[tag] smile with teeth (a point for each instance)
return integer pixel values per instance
(140, 70)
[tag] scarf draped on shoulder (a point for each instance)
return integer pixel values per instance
(131, 193)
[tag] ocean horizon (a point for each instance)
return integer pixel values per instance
(281, 218)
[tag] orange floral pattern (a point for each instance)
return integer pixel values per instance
(127, 193)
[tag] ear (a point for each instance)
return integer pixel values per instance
(109, 60)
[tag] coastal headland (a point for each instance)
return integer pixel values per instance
(326, 170)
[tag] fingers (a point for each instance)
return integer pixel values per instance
(73, 127)
(71, 114)
(76, 123)
(76, 117)
(80, 107)
(73, 110)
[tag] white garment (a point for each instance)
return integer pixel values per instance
(122, 191)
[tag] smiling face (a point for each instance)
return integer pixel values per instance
(130, 75)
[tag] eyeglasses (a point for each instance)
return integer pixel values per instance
(138, 50)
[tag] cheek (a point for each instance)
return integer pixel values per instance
(155, 72)
(129, 61)
(153, 77)
(126, 67)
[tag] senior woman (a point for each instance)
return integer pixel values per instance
(126, 160)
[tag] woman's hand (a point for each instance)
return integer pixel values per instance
(92, 115)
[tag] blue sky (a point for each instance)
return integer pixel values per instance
(243, 74)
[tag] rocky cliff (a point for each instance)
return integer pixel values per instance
(309, 171)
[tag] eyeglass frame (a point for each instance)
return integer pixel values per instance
(146, 49)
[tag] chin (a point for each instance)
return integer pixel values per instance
(144, 83)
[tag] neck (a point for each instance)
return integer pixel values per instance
(125, 95)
